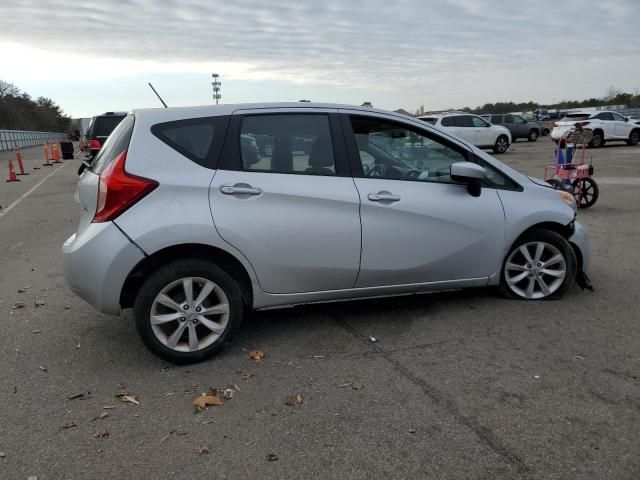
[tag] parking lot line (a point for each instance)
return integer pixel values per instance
(30, 191)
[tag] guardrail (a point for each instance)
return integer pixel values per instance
(25, 138)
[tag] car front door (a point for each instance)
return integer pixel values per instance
(623, 127)
(520, 126)
(485, 135)
(608, 125)
(293, 212)
(418, 226)
(466, 129)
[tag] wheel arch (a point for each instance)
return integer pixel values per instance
(152, 262)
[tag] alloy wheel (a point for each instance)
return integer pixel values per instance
(502, 145)
(535, 270)
(189, 314)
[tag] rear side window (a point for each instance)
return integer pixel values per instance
(198, 139)
(287, 143)
(447, 122)
(117, 142)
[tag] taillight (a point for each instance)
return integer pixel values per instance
(94, 144)
(582, 124)
(119, 190)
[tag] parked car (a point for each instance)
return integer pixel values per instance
(99, 130)
(473, 129)
(518, 126)
(184, 222)
(606, 126)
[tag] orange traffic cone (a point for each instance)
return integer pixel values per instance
(19, 160)
(12, 173)
(55, 152)
(46, 156)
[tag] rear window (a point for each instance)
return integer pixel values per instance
(117, 142)
(198, 139)
(432, 121)
(103, 126)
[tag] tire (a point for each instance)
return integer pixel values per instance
(634, 138)
(545, 132)
(533, 135)
(187, 324)
(597, 140)
(586, 192)
(501, 145)
(532, 272)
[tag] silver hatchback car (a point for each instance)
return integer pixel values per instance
(196, 216)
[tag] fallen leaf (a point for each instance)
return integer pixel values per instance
(294, 400)
(101, 416)
(38, 303)
(272, 457)
(357, 386)
(246, 375)
(203, 450)
(257, 355)
(203, 401)
(104, 434)
(70, 424)
(18, 305)
(125, 397)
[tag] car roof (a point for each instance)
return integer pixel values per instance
(176, 113)
(446, 114)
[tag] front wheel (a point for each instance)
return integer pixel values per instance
(187, 310)
(541, 265)
(634, 138)
(501, 145)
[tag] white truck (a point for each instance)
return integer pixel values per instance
(605, 125)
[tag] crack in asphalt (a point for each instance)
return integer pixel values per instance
(483, 433)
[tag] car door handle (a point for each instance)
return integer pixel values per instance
(240, 190)
(383, 197)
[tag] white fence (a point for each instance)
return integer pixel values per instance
(25, 138)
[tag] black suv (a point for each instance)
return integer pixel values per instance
(100, 128)
(518, 126)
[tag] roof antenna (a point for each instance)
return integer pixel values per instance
(159, 97)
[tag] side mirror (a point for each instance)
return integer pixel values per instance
(470, 174)
(626, 119)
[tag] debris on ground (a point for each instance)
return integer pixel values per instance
(166, 437)
(412, 430)
(345, 385)
(165, 369)
(125, 397)
(43, 368)
(578, 357)
(82, 395)
(246, 375)
(205, 400)
(191, 388)
(357, 386)
(104, 434)
(227, 393)
(272, 457)
(70, 424)
(373, 339)
(35, 331)
(536, 377)
(38, 303)
(203, 450)
(294, 400)
(18, 305)
(257, 355)
(3, 455)
(101, 416)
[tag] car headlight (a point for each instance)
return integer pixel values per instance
(569, 199)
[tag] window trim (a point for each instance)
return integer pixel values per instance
(232, 154)
(211, 159)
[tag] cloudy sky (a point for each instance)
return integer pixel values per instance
(96, 56)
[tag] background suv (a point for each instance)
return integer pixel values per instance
(185, 220)
(606, 126)
(99, 130)
(518, 126)
(473, 129)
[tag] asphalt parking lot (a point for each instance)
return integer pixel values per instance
(456, 385)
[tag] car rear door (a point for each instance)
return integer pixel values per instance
(293, 212)
(418, 226)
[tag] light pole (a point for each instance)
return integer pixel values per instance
(215, 85)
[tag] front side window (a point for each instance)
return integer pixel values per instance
(606, 116)
(287, 143)
(519, 120)
(508, 119)
(617, 117)
(465, 121)
(396, 151)
(479, 122)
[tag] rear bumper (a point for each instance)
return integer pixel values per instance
(97, 263)
(580, 241)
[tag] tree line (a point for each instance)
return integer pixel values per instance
(18, 111)
(613, 97)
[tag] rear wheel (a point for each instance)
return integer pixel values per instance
(533, 135)
(545, 132)
(634, 138)
(597, 140)
(541, 265)
(501, 145)
(585, 191)
(187, 310)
